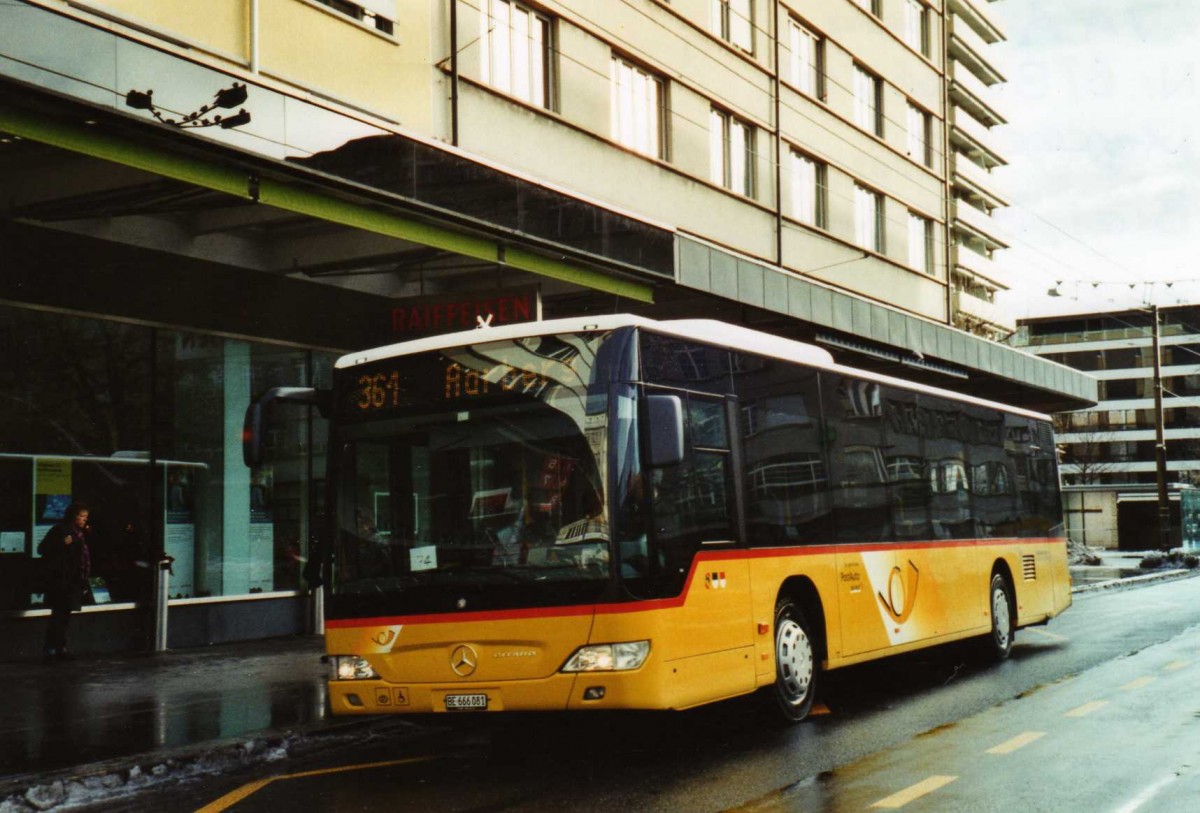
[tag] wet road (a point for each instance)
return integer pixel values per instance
(103, 708)
(1093, 712)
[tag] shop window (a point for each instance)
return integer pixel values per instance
(232, 531)
(75, 401)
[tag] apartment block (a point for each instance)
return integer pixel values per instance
(1108, 450)
(202, 200)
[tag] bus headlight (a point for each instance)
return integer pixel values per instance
(608, 657)
(351, 667)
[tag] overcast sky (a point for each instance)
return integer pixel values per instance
(1103, 142)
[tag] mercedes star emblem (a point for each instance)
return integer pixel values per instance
(463, 661)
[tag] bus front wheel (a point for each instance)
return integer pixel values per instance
(1000, 602)
(795, 664)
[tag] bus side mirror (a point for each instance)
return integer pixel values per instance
(665, 413)
(254, 428)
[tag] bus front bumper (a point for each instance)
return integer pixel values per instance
(610, 690)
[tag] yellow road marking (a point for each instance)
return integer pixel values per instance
(1019, 741)
(1137, 684)
(234, 796)
(922, 788)
(1175, 666)
(1049, 636)
(1086, 708)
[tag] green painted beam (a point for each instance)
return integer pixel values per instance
(98, 144)
(334, 210)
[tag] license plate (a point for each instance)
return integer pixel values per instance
(466, 702)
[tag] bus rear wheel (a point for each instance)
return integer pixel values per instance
(999, 642)
(795, 664)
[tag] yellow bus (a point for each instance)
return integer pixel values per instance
(621, 513)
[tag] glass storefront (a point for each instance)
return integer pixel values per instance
(144, 425)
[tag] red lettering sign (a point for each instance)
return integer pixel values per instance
(425, 316)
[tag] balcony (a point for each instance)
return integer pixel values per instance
(971, 49)
(978, 184)
(983, 311)
(972, 95)
(975, 265)
(976, 225)
(979, 15)
(974, 139)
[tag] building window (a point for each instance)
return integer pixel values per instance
(515, 43)
(920, 135)
(637, 109)
(731, 152)
(868, 218)
(868, 101)
(732, 22)
(873, 6)
(809, 190)
(916, 26)
(807, 68)
(920, 243)
(376, 14)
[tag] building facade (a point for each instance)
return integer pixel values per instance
(1108, 450)
(201, 201)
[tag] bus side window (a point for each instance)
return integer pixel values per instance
(853, 411)
(905, 461)
(677, 363)
(783, 439)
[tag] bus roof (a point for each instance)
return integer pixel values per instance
(705, 331)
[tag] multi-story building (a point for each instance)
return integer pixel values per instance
(1108, 450)
(201, 200)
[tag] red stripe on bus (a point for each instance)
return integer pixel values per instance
(649, 605)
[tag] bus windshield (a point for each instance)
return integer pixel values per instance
(483, 469)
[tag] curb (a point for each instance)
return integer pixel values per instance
(1134, 581)
(97, 785)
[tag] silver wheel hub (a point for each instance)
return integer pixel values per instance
(1000, 617)
(794, 659)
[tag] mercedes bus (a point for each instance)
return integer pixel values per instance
(619, 513)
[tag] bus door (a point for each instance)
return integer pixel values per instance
(709, 634)
(863, 531)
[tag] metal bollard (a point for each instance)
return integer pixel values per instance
(318, 611)
(162, 593)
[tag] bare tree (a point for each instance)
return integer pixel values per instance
(1084, 461)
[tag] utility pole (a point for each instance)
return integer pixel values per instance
(1160, 444)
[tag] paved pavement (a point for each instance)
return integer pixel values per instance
(81, 732)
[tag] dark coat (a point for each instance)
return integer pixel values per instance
(64, 566)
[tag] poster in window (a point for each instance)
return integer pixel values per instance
(262, 531)
(180, 538)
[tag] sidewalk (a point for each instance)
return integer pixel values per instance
(103, 727)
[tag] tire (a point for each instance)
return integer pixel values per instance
(999, 642)
(791, 697)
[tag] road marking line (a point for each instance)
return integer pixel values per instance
(1019, 741)
(1049, 636)
(922, 788)
(1146, 795)
(1086, 708)
(234, 796)
(1175, 666)
(1137, 684)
